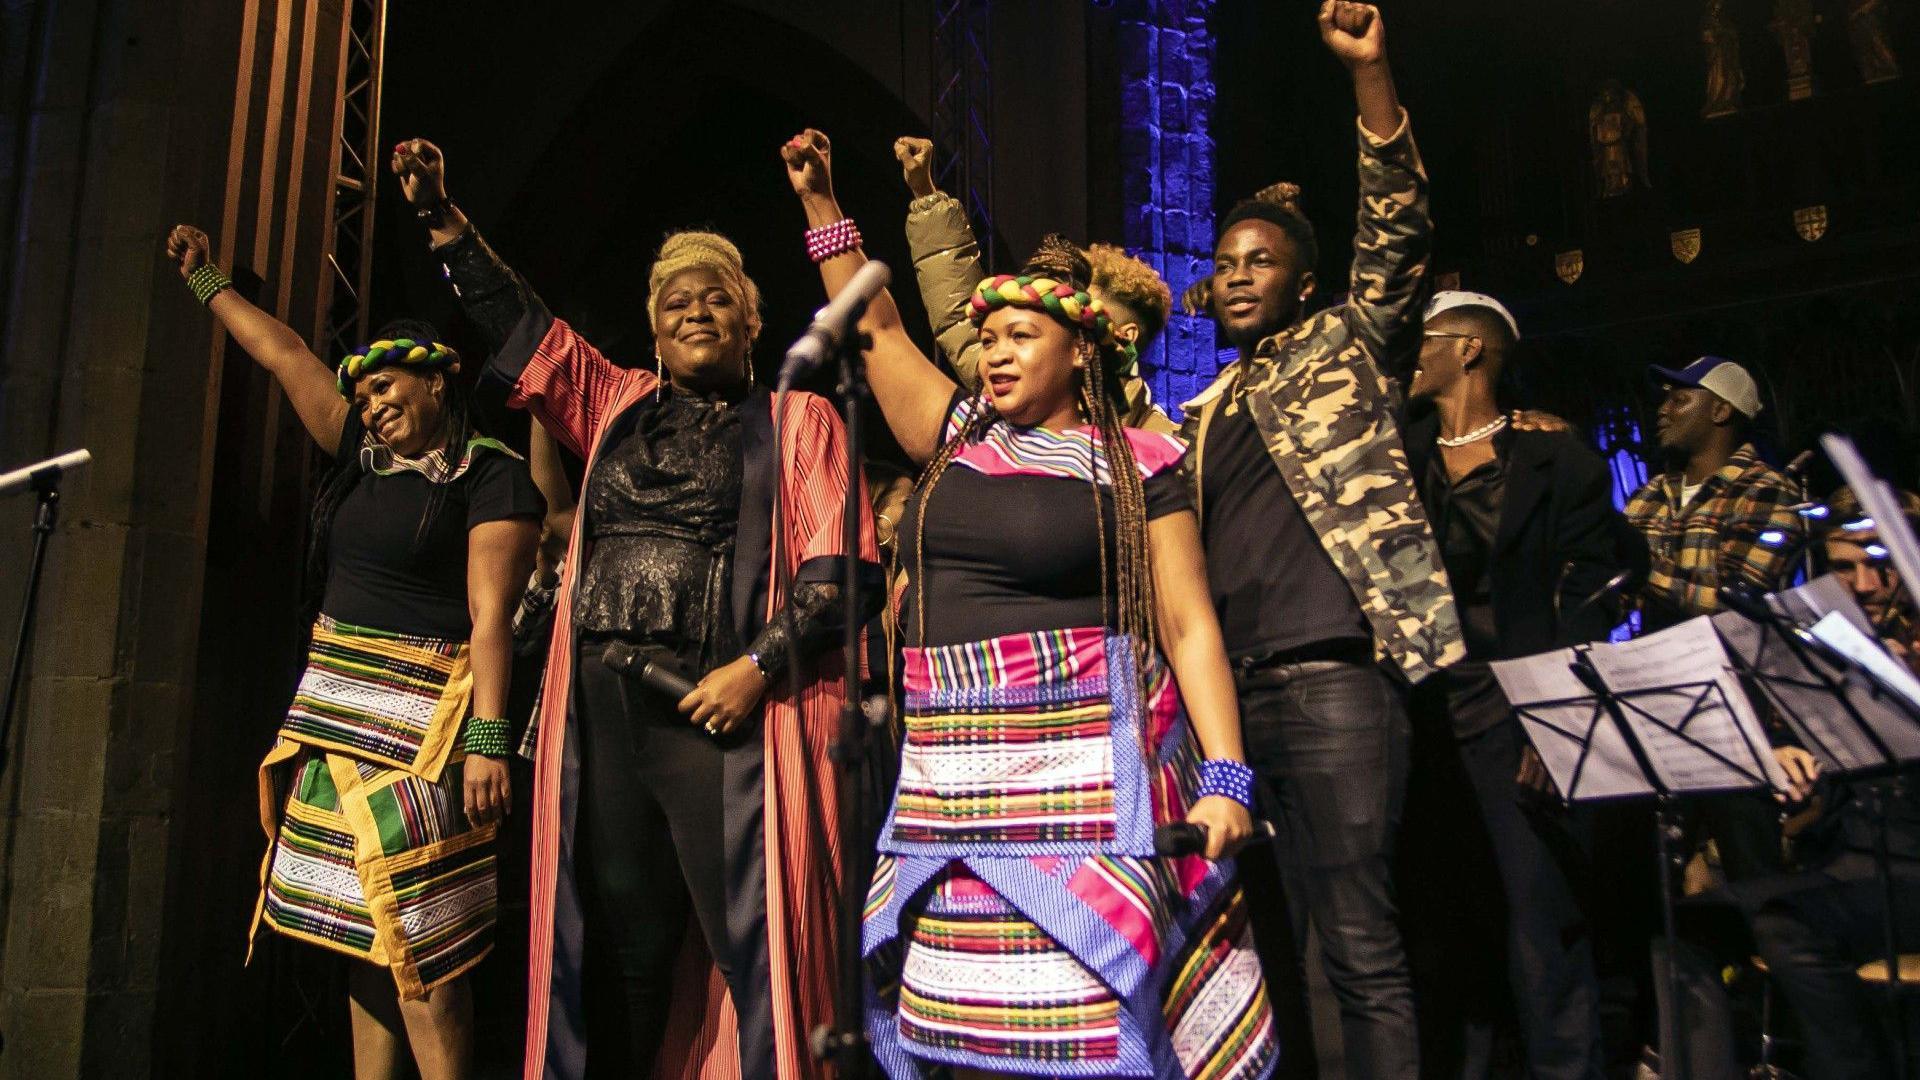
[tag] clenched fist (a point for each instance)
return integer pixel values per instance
(809, 160)
(189, 248)
(422, 170)
(916, 163)
(1354, 32)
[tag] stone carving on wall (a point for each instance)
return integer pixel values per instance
(1726, 80)
(1617, 135)
(1792, 24)
(1867, 33)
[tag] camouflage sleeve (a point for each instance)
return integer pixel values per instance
(1391, 245)
(946, 262)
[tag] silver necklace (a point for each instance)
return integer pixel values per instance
(1485, 430)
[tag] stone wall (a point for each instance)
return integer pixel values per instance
(1166, 150)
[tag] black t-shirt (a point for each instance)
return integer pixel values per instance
(1013, 554)
(1466, 517)
(378, 576)
(1274, 585)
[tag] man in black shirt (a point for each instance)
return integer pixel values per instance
(1530, 537)
(1331, 595)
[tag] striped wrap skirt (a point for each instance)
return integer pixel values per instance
(369, 850)
(1018, 920)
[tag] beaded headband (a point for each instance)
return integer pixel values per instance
(424, 355)
(1060, 299)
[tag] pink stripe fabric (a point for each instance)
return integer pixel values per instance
(574, 391)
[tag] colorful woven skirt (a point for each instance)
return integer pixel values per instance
(1019, 921)
(370, 853)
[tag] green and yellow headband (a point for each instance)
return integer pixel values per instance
(419, 355)
(1060, 299)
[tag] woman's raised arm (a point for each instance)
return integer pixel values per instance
(912, 392)
(308, 381)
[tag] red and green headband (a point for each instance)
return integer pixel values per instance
(1061, 299)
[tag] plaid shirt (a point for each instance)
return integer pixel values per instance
(1741, 526)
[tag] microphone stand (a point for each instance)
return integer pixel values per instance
(845, 1041)
(46, 485)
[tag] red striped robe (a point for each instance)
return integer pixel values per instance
(576, 393)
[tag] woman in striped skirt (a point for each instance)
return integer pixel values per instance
(1019, 921)
(384, 789)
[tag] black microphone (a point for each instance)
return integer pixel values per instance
(655, 673)
(1613, 585)
(832, 324)
(1185, 838)
(41, 474)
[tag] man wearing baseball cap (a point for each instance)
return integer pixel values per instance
(1721, 517)
(1724, 516)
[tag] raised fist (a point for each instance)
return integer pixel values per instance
(916, 163)
(1354, 32)
(422, 170)
(809, 160)
(189, 248)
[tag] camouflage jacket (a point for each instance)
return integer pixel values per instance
(1320, 395)
(946, 263)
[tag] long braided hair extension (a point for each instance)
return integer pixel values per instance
(1126, 591)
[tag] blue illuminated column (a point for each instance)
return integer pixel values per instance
(1166, 159)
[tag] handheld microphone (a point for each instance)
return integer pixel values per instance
(1185, 838)
(44, 472)
(655, 673)
(1799, 463)
(832, 324)
(1614, 584)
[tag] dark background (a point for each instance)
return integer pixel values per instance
(579, 133)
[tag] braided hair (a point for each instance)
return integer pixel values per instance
(1126, 589)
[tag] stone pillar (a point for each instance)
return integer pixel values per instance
(1166, 152)
(118, 119)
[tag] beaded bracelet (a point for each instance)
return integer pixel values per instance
(1229, 778)
(837, 238)
(486, 735)
(208, 282)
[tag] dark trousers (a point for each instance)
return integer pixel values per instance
(1331, 741)
(670, 821)
(1814, 930)
(1495, 873)
(1745, 830)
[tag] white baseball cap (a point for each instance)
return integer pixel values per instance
(1722, 376)
(1448, 299)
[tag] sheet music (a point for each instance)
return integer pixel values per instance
(1843, 637)
(1580, 745)
(1803, 698)
(1687, 710)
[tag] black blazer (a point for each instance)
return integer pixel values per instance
(1558, 541)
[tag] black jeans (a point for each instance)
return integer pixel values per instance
(1331, 740)
(1494, 872)
(1814, 930)
(669, 819)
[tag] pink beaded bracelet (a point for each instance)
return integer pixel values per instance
(837, 238)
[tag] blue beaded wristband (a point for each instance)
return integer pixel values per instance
(1227, 778)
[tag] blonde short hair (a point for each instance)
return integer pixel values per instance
(696, 250)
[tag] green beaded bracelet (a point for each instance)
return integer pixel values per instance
(486, 735)
(208, 282)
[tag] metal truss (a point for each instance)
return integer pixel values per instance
(357, 160)
(963, 110)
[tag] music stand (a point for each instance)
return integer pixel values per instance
(1661, 716)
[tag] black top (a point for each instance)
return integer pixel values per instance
(663, 508)
(1013, 554)
(1274, 585)
(382, 573)
(1465, 515)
